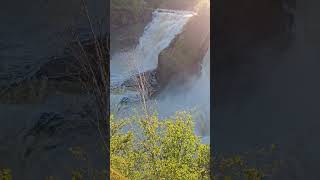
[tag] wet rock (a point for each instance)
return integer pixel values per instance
(125, 102)
(55, 130)
(179, 4)
(184, 55)
(144, 82)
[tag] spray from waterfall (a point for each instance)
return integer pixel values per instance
(194, 97)
(158, 34)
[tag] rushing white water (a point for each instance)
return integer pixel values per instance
(194, 96)
(166, 24)
(158, 34)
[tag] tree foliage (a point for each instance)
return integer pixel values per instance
(150, 148)
(5, 174)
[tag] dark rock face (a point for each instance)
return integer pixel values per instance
(53, 129)
(178, 4)
(51, 137)
(57, 74)
(128, 12)
(64, 68)
(127, 23)
(33, 31)
(147, 81)
(184, 55)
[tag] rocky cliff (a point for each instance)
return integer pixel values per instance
(183, 56)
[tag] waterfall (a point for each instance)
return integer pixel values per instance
(158, 34)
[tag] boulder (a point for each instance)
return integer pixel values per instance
(147, 79)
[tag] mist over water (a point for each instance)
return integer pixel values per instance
(193, 96)
(158, 34)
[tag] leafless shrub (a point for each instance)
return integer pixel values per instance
(92, 57)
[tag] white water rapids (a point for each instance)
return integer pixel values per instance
(194, 96)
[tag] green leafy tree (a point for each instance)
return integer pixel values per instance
(149, 148)
(5, 174)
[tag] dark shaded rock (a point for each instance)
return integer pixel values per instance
(63, 70)
(125, 103)
(28, 91)
(146, 80)
(145, 84)
(78, 53)
(184, 55)
(54, 130)
(48, 123)
(128, 23)
(178, 4)
(128, 12)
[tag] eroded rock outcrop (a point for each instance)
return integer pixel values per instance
(183, 57)
(146, 81)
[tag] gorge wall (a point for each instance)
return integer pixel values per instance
(183, 57)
